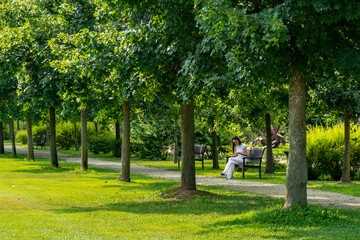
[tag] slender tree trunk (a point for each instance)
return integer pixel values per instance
(117, 152)
(214, 146)
(175, 143)
(125, 150)
(53, 152)
(29, 140)
(345, 178)
(296, 172)
(269, 152)
(84, 150)
(96, 128)
(18, 125)
(12, 137)
(47, 138)
(76, 137)
(2, 148)
(187, 147)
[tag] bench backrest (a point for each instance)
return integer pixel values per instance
(255, 154)
(199, 150)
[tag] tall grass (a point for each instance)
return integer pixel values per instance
(325, 151)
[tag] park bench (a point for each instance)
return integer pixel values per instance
(40, 142)
(252, 160)
(199, 151)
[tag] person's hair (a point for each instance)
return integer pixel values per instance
(233, 144)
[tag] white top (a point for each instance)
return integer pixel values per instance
(240, 148)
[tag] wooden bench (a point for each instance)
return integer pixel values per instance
(199, 151)
(40, 142)
(252, 160)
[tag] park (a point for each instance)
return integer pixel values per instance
(118, 119)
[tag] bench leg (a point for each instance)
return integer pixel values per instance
(202, 164)
(243, 172)
(260, 172)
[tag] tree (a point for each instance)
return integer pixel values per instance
(267, 40)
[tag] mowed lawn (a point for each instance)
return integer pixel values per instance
(38, 202)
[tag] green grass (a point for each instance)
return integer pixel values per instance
(38, 202)
(278, 177)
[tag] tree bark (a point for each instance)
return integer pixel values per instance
(12, 136)
(187, 147)
(125, 150)
(76, 137)
(96, 128)
(2, 148)
(269, 152)
(345, 178)
(29, 140)
(18, 125)
(296, 172)
(175, 143)
(84, 150)
(117, 152)
(53, 152)
(214, 146)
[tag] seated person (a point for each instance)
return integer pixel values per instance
(240, 151)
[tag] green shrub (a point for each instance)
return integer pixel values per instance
(21, 136)
(325, 152)
(37, 131)
(101, 143)
(65, 135)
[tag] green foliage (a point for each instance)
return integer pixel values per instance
(21, 136)
(325, 152)
(37, 131)
(65, 135)
(103, 143)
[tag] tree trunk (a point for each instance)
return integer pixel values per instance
(96, 128)
(12, 136)
(29, 140)
(175, 143)
(76, 137)
(2, 148)
(125, 150)
(53, 152)
(84, 150)
(117, 152)
(187, 147)
(47, 137)
(214, 147)
(269, 152)
(345, 178)
(18, 125)
(296, 172)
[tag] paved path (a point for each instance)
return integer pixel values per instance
(274, 190)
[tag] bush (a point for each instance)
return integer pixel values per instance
(325, 152)
(65, 135)
(21, 136)
(38, 132)
(101, 143)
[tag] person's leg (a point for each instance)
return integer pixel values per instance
(230, 167)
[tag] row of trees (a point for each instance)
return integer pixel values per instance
(110, 57)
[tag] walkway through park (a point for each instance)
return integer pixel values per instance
(321, 197)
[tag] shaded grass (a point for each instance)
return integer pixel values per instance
(39, 202)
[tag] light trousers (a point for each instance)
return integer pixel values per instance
(230, 166)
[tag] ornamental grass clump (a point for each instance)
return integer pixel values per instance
(325, 152)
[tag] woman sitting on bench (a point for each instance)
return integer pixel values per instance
(240, 151)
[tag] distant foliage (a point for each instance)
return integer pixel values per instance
(65, 135)
(325, 152)
(37, 131)
(103, 143)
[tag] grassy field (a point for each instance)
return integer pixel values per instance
(250, 175)
(38, 202)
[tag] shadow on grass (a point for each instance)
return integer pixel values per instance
(237, 203)
(295, 222)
